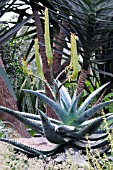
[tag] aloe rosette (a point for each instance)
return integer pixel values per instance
(73, 124)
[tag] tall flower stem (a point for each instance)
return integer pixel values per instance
(46, 68)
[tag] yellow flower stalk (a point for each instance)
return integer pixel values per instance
(47, 38)
(38, 59)
(24, 66)
(30, 71)
(74, 57)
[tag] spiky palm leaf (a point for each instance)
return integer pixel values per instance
(90, 20)
(92, 23)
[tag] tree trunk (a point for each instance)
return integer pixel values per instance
(7, 100)
(57, 68)
(81, 81)
(49, 111)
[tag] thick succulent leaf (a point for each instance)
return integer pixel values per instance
(37, 117)
(94, 145)
(88, 129)
(101, 144)
(71, 135)
(64, 96)
(22, 146)
(7, 82)
(49, 130)
(102, 150)
(25, 152)
(91, 120)
(35, 126)
(96, 136)
(64, 130)
(74, 97)
(56, 107)
(90, 112)
(32, 116)
(101, 131)
(80, 133)
(73, 107)
(90, 98)
(63, 105)
(110, 116)
(103, 72)
(29, 149)
(109, 121)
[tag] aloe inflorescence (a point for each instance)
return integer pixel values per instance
(47, 38)
(74, 57)
(73, 124)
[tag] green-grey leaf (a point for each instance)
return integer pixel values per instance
(29, 149)
(7, 82)
(22, 146)
(49, 130)
(94, 145)
(90, 112)
(56, 107)
(78, 134)
(35, 126)
(91, 120)
(65, 97)
(89, 129)
(97, 136)
(109, 121)
(73, 107)
(37, 117)
(90, 97)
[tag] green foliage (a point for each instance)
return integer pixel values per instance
(68, 112)
(73, 126)
(89, 22)
(107, 98)
(7, 81)
(13, 58)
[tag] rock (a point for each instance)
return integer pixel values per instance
(39, 143)
(60, 158)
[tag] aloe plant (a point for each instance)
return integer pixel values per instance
(73, 126)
